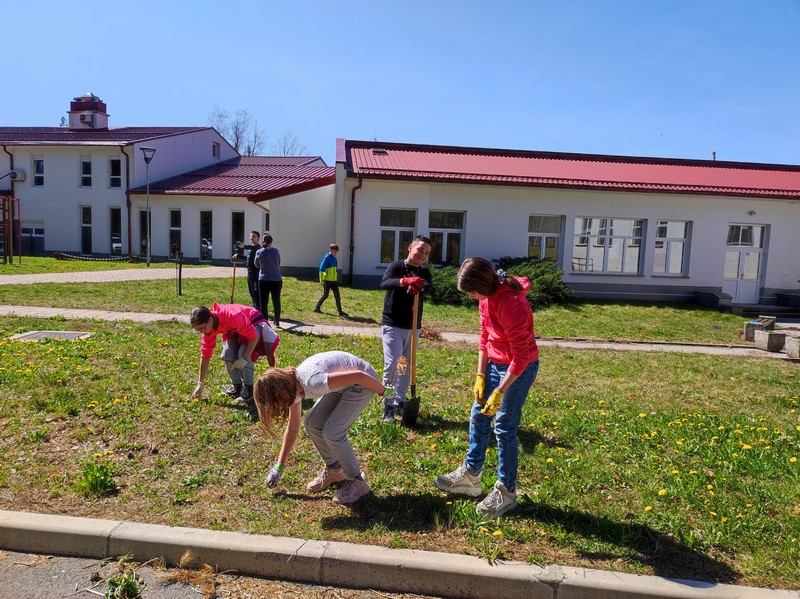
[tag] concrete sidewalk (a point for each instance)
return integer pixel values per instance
(347, 565)
(352, 329)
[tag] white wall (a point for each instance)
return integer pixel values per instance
(497, 225)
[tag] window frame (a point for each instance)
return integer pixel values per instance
(542, 236)
(85, 171)
(114, 181)
(670, 242)
(399, 233)
(596, 234)
(38, 171)
(443, 257)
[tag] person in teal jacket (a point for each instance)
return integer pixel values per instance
(329, 277)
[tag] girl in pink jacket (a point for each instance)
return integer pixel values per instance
(508, 361)
(246, 335)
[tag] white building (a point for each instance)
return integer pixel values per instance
(82, 189)
(620, 227)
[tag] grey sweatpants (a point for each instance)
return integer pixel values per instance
(328, 421)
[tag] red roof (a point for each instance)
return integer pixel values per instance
(257, 178)
(48, 136)
(576, 171)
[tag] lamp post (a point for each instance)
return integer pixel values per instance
(148, 153)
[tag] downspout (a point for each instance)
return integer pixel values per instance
(19, 222)
(353, 228)
(128, 196)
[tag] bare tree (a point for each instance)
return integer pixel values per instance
(288, 144)
(240, 129)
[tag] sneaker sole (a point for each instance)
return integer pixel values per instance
(310, 489)
(467, 492)
(338, 501)
(498, 513)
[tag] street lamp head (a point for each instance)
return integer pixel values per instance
(148, 154)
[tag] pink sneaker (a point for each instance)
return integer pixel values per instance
(352, 490)
(325, 478)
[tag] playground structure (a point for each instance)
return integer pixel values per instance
(10, 230)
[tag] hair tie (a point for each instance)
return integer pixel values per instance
(501, 276)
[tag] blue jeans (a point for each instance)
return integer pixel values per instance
(506, 423)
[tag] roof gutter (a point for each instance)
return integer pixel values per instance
(128, 196)
(353, 229)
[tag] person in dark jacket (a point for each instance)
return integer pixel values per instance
(402, 280)
(248, 252)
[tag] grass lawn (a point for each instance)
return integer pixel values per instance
(604, 320)
(670, 464)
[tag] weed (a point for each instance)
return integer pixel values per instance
(96, 478)
(128, 585)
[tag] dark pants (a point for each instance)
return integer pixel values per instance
(273, 288)
(252, 287)
(329, 286)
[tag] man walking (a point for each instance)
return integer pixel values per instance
(329, 277)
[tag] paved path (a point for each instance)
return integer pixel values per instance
(107, 276)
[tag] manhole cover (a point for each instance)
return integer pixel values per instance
(36, 335)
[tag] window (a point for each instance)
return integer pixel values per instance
(114, 172)
(86, 230)
(237, 229)
(266, 222)
(671, 245)
(86, 171)
(38, 170)
(607, 245)
(446, 231)
(397, 231)
(214, 149)
(745, 236)
(115, 229)
(544, 237)
(174, 233)
(206, 234)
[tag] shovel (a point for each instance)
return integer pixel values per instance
(411, 409)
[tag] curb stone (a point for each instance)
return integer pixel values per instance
(334, 563)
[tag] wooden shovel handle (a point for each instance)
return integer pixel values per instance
(414, 312)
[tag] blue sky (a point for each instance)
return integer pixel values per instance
(678, 78)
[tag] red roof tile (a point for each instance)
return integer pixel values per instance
(48, 136)
(581, 171)
(257, 178)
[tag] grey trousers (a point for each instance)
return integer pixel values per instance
(328, 421)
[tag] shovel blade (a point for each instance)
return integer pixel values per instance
(411, 412)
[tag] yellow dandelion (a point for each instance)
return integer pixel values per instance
(433, 445)
(746, 446)
(662, 492)
(448, 503)
(675, 472)
(484, 529)
(549, 460)
(692, 471)
(724, 518)
(642, 415)
(709, 487)
(793, 459)
(648, 508)
(497, 533)
(713, 513)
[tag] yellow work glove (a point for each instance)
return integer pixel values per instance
(479, 388)
(491, 407)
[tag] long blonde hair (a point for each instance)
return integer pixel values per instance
(274, 392)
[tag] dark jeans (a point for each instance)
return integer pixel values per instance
(327, 287)
(265, 289)
(252, 287)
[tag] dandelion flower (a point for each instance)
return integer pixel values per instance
(484, 529)
(549, 460)
(497, 533)
(648, 508)
(713, 513)
(724, 518)
(793, 459)
(662, 492)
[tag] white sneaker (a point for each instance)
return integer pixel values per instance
(352, 490)
(498, 502)
(325, 478)
(460, 482)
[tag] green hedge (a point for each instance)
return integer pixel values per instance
(547, 284)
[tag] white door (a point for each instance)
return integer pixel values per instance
(743, 263)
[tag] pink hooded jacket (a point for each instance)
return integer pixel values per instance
(507, 328)
(234, 320)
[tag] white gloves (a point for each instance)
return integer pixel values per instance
(240, 363)
(198, 391)
(275, 474)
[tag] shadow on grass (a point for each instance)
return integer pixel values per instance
(637, 543)
(656, 550)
